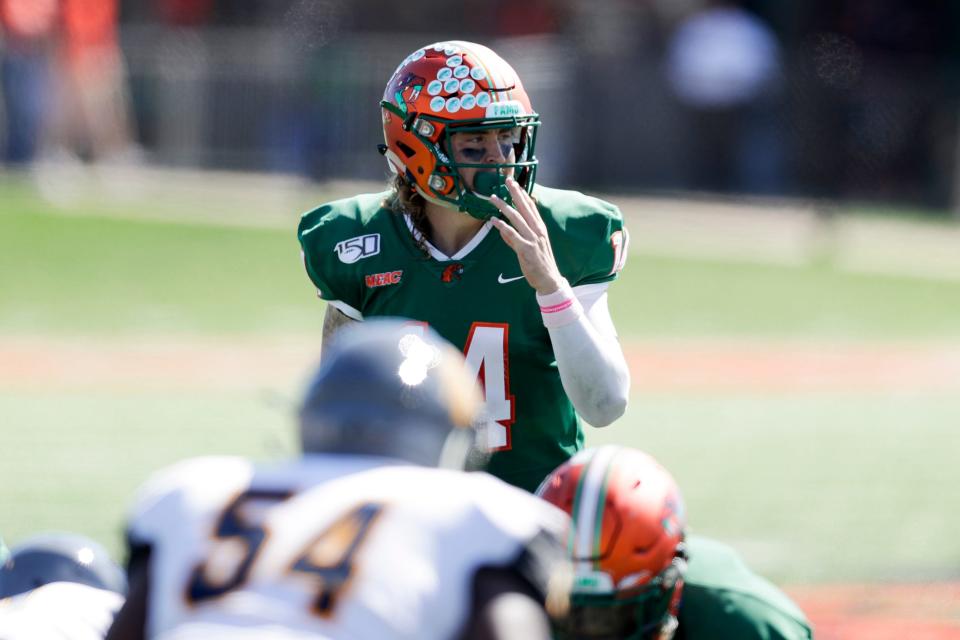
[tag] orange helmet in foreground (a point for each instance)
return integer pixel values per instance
(457, 87)
(626, 543)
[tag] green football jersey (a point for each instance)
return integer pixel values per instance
(724, 600)
(366, 257)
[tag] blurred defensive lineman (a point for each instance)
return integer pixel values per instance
(358, 538)
(58, 586)
(637, 575)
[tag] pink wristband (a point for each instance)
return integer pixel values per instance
(560, 307)
(557, 308)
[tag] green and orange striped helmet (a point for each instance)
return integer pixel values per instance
(626, 543)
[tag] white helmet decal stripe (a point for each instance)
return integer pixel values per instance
(589, 506)
(394, 162)
(494, 79)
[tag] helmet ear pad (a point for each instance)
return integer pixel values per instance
(406, 154)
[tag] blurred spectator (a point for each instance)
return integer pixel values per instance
(723, 65)
(91, 116)
(185, 13)
(251, 12)
(532, 17)
(604, 28)
(876, 97)
(27, 32)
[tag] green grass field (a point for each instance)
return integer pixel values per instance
(838, 485)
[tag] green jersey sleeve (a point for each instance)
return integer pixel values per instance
(334, 237)
(587, 235)
(724, 600)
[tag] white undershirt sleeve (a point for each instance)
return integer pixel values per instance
(346, 309)
(592, 366)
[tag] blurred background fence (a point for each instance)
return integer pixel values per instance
(836, 100)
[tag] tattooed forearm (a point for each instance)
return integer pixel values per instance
(332, 320)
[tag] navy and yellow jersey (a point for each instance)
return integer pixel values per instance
(365, 259)
(724, 600)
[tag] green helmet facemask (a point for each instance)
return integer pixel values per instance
(647, 614)
(447, 184)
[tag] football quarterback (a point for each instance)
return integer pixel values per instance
(513, 273)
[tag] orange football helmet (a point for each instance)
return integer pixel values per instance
(626, 543)
(450, 87)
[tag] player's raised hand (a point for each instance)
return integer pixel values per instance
(527, 236)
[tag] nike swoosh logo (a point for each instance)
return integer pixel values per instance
(503, 280)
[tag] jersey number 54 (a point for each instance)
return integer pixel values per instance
(328, 558)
